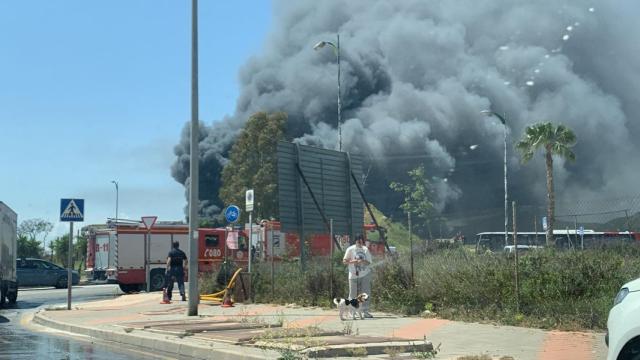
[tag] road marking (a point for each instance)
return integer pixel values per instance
(560, 345)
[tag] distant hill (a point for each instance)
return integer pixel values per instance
(617, 224)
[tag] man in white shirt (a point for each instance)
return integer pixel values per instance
(358, 258)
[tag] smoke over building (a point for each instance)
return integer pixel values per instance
(415, 76)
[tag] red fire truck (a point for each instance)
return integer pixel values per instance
(269, 241)
(100, 263)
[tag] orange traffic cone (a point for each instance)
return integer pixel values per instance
(226, 300)
(165, 297)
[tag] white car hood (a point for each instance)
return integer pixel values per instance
(633, 285)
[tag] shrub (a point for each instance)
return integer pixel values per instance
(565, 290)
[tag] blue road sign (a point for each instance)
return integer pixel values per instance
(71, 209)
(232, 213)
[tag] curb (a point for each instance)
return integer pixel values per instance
(166, 346)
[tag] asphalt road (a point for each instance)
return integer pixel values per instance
(19, 339)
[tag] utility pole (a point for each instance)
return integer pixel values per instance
(194, 295)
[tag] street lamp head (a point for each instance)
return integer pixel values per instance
(319, 45)
(493, 113)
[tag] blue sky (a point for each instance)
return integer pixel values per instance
(94, 91)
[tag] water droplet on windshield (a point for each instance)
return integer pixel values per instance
(504, 47)
(530, 83)
(592, 9)
(536, 71)
(569, 28)
(565, 38)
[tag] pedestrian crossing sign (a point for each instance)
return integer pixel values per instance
(71, 209)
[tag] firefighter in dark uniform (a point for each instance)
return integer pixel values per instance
(176, 261)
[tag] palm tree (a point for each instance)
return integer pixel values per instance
(555, 141)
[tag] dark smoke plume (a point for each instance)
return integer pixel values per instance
(415, 76)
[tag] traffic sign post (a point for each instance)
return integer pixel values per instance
(232, 213)
(71, 210)
(148, 222)
(249, 208)
(249, 200)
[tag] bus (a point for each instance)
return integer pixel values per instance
(565, 239)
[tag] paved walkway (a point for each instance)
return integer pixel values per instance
(141, 320)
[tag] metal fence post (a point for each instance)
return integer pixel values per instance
(515, 251)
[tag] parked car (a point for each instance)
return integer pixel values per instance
(33, 272)
(623, 325)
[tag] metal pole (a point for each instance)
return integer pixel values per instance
(147, 246)
(575, 229)
(535, 224)
(250, 256)
(115, 248)
(194, 295)
(225, 266)
(339, 102)
(69, 266)
(515, 251)
(411, 245)
(506, 204)
(250, 242)
(331, 258)
(271, 249)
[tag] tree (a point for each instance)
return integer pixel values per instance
(252, 164)
(418, 196)
(28, 247)
(61, 250)
(80, 251)
(28, 232)
(555, 141)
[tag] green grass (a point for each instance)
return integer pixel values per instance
(560, 290)
(570, 290)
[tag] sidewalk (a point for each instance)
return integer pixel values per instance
(238, 332)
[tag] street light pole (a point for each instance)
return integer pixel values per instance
(115, 243)
(117, 197)
(336, 50)
(194, 296)
(506, 204)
